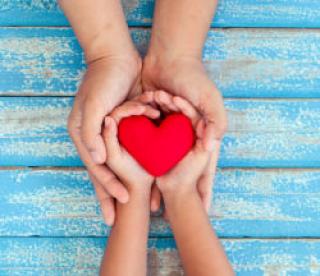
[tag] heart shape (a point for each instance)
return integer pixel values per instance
(157, 148)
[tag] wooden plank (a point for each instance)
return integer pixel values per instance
(81, 256)
(262, 133)
(246, 203)
(242, 62)
(230, 13)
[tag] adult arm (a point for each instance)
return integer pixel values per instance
(112, 75)
(174, 64)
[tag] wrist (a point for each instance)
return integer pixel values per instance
(179, 201)
(139, 191)
(156, 65)
(178, 192)
(108, 45)
(173, 48)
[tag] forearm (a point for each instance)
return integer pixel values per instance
(199, 247)
(126, 251)
(180, 27)
(100, 27)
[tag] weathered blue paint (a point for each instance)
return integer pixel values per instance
(262, 133)
(230, 13)
(50, 219)
(81, 256)
(242, 62)
(246, 203)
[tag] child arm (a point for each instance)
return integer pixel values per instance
(127, 245)
(126, 252)
(199, 247)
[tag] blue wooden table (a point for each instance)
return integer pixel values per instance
(264, 55)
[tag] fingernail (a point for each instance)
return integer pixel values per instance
(96, 157)
(123, 198)
(154, 206)
(109, 220)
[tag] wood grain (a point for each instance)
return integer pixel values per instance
(262, 133)
(260, 63)
(81, 256)
(230, 13)
(246, 203)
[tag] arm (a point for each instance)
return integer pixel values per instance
(126, 253)
(127, 245)
(199, 247)
(100, 27)
(180, 27)
(112, 75)
(174, 64)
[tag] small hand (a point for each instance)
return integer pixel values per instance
(185, 175)
(118, 159)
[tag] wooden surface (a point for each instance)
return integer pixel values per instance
(242, 62)
(81, 256)
(262, 132)
(246, 203)
(230, 13)
(266, 200)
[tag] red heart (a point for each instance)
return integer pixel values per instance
(157, 148)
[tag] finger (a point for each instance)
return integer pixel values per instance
(102, 173)
(92, 120)
(216, 118)
(206, 181)
(204, 187)
(155, 198)
(187, 109)
(107, 204)
(164, 100)
(162, 106)
(111, 139)
(127, 110)
(151, 112)
(146, 97)
(200, 129)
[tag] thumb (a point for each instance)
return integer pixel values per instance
(110, 138)
(91, 131)
(215, 120)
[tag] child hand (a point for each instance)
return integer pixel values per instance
(185, 175)
(118, 159)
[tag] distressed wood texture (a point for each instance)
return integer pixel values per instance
(81, 256)
(262, 133)
(246, 203)
(242, 62)
(230, 13)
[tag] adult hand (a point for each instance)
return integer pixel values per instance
(107, 82)
(185, 76)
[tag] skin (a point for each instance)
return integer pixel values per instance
(116, 73)
(173, 63)
(201, 254)
(132, 217)
(113, 75)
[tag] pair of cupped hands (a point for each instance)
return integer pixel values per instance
(111, 90)
(179, 181)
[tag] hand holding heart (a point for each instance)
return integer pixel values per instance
(155, 151)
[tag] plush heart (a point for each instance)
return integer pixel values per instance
(157, 148)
